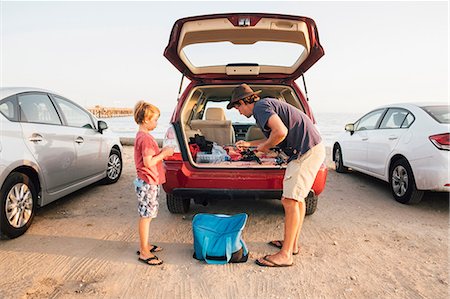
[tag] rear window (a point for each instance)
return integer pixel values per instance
(260, 53)
(440, 113)
(8, 108)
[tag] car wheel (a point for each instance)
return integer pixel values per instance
(177, 204)
(339, 163)
(114, 168)
(18, 199)
(311, 203)
(402, 183)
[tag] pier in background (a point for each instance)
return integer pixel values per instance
(104, 112)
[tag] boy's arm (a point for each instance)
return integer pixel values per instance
(150, 160)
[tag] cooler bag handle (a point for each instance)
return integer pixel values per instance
(227, 252)
(244, 247)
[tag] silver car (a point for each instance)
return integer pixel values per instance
(49, 147)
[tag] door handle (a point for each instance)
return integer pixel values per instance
(35, 137)
(79, 140)
(392, 137)
(365, 139)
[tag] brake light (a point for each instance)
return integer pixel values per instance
(441, 141)
(170, 139)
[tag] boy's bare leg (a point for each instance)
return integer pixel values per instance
(144, 248)
(144, 230)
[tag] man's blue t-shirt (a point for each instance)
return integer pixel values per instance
(302, 134)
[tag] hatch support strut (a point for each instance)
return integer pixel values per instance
(181, 86)
(304, 85)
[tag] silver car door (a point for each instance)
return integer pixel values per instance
(91, 150)
(47, 140)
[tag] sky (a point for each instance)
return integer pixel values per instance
(111, 53)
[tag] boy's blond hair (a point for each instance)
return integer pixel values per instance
(144, 111)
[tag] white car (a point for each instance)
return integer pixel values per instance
(404, 144)
(49, 147)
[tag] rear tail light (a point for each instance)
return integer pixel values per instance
(441, 141)
(170, 139)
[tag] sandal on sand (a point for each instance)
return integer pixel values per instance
(268, 263)
(153, 248)
(279, 244)
(153, 258)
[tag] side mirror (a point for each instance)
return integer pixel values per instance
(102, 126)
(350, 128)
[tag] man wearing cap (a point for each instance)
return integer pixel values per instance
(293, 132)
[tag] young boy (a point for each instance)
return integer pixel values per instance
(150, 175)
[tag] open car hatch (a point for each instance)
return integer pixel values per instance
(244, 46)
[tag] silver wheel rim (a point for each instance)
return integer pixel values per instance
(19, 205)
(400, 180)
(337, 158)
(114, 166)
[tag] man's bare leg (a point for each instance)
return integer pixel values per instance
(291, 223)
(302, 208)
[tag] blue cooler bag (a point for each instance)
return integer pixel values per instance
(218, 238)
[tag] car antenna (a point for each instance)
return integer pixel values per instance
(304, 84)
(181, 86)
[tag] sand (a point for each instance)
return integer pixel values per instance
(360, 243)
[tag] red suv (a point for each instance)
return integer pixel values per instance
(217, 53)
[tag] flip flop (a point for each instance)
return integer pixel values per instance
(271, 263)
(154, 248)
(279, 244)
(146, 261)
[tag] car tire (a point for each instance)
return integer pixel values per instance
(402, 182)
(177, 204)
(311, 203)
(18, 197)
(337, 158)
(114, 168)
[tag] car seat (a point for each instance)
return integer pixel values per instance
(29, 112)
(254, 133)
(398, 119)
(215, 127)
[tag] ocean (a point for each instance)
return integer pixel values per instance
(329, 124)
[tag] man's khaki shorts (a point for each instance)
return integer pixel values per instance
(301, 173)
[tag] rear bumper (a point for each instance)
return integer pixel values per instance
(183, 179)
(432, 173)
(226, 193)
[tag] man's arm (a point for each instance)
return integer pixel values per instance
(277, 134)
(243, 143)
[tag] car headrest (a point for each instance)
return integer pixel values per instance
(215, 114)
(398, 118)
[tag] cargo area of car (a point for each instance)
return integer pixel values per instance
(210, 131)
